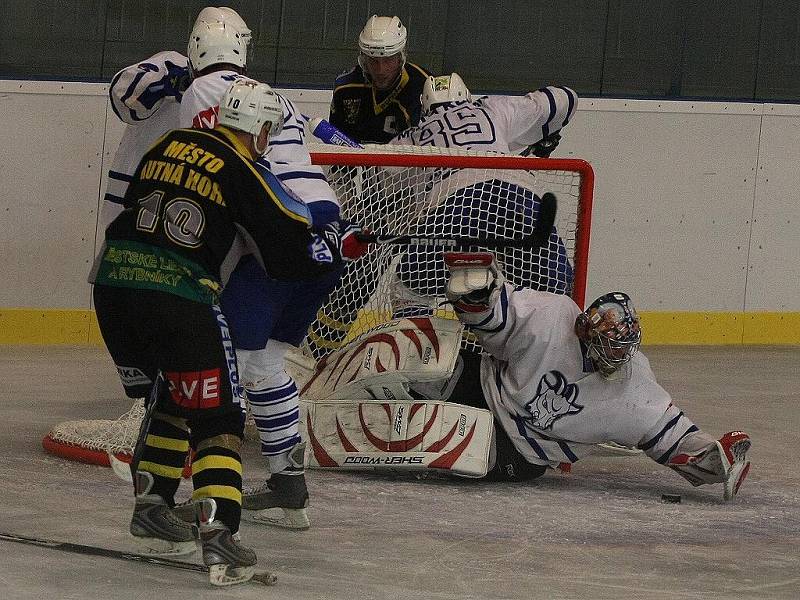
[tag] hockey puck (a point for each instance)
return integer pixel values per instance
(670, 498)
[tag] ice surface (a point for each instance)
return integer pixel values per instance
(600, 532)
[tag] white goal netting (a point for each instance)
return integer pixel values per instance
(442, 192)
(414, 191)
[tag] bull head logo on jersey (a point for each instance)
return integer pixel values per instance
(555, 398)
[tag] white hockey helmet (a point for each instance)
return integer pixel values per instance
(213, 43)
(611, 332)
(247, 106)
(382, 36)
(223, 14)
(445, 88)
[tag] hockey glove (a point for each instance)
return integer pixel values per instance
(544, 147)
(337, 241)
(475, 281)
(176, 80)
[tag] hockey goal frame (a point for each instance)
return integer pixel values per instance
(577, 165)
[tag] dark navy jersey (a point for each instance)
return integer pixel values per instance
(195, 205)
(368, 116)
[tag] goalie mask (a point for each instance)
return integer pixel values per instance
(247, 106)
(610, 330)
(443, 89)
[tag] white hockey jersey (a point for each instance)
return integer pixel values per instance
(287, 156)
(542, 390)
(138, 98)
(506, 124)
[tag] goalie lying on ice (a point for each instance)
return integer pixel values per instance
(560, 381)
(557, 381)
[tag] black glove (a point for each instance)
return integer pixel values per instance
(544, 147)
(176, 80)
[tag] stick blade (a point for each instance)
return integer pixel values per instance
(548, 207)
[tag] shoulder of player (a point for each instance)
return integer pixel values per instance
(416, 72)
(155, 62)
(216, 79)
(210, 141)
(281, 196)
(353, 76)
(543, 302)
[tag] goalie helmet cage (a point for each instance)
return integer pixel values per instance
(411, 190)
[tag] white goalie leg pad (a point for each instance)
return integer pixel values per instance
(399, 435)
(381, 364)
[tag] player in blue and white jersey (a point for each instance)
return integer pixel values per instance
(481, 206)
(146, 97)
(266, 317)
(507, 124)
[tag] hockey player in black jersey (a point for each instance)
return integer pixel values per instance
(196, 203)
(380, 97)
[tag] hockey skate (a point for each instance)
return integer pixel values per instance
(283, 499)
(724, 462)
(228, 561)
(155, 526)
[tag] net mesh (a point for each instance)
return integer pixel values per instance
(495, 198)
(117, 436)
(412, 191)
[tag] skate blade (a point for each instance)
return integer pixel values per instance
(225, 575)
(286, 518)
(159, 547)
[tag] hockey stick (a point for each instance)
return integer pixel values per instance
(537, 239)
(264, 577)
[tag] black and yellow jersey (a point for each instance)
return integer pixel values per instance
(195, 205)
(368, 116)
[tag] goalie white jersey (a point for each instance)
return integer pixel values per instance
(547, 397)
(506, 124)
(287, 157)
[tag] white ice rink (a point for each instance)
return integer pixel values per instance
(598, 533)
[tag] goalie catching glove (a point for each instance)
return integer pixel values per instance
(337, 242)
(475, 281)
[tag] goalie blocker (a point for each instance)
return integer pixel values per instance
(361, 407)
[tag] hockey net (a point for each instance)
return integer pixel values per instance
(408, 190)
(413, 191)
